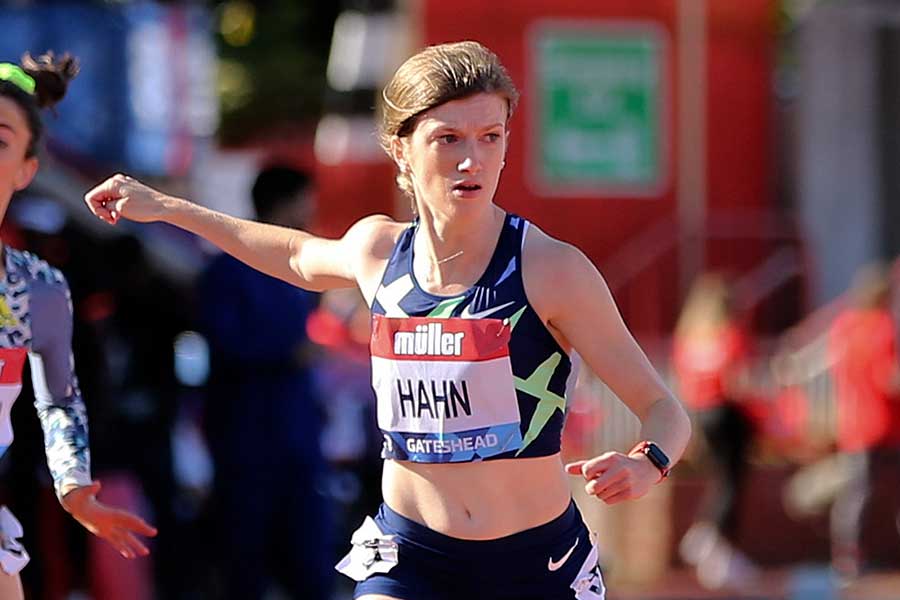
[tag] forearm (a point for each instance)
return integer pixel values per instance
(291, 255)
(666, 423)
(66, 446)
(267, 248)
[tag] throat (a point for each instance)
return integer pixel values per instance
(449, 260)
(443, 280)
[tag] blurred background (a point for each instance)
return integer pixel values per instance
(730, 165)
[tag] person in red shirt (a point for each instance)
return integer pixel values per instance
(862, 350)
(710, 352)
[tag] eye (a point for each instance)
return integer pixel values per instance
(492, 137)
(447, 138)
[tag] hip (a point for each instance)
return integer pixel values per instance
(397, 556)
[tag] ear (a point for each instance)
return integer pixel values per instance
(398, 153)
(506, 145)
(26, 173)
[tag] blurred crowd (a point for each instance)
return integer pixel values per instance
(742, 391)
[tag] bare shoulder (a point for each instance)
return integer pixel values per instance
(371, 241)
(547, 257)
(374, 230)
(555, 273)
(373, 237)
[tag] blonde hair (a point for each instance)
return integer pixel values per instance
(709, 306)
(433, 76)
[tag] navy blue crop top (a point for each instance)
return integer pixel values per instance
(470, 377)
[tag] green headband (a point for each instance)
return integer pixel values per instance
(16, 76)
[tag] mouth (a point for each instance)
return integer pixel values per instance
(466, 187)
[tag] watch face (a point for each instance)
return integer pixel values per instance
(657, 456)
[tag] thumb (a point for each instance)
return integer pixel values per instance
(94, 487)
(574, 468)
(107, 190)
(116, 210)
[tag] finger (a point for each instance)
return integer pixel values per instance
(599, 484)
(100, 208)
(597, 466)
(102, 200)
(118, 542)
(116, 207)
(110, 189)
(97, 207)
(130, 522)
(614, 489)
(574, 468)
(134, 545)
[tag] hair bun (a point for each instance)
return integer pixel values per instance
(51, 76)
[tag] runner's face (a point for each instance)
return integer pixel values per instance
(456, 152)
(16, 171)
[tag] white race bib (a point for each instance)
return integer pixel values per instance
(445, 388)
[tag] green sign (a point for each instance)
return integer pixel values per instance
(598, 121)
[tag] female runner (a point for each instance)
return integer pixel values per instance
(36, 322)
(475, 315)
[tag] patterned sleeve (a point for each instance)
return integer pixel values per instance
(57, 397)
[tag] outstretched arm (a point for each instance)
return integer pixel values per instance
(64, 420)
(295, 256)
(572, 297)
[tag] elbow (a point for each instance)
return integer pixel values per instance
(680, 418)
(687, 426)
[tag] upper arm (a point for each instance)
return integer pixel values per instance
(51, 315)
(572, 298)
(351, 260)
(57, 398)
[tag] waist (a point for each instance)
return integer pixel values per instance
(479, 500)
(539, 536)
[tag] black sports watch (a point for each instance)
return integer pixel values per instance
(656, 456)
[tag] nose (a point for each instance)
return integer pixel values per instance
(470, 162)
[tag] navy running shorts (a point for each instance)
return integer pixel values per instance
(398, 557)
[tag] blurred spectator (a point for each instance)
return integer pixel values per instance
(137, 316)
(711, 352)
(351, 441)
(263, 420)
(863, 352)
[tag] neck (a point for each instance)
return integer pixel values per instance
(451, 248)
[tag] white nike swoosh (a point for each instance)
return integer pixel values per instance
(465, 314)
(555, 566)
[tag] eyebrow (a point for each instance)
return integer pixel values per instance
(455, 127)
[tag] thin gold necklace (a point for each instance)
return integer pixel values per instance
(449, 258)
